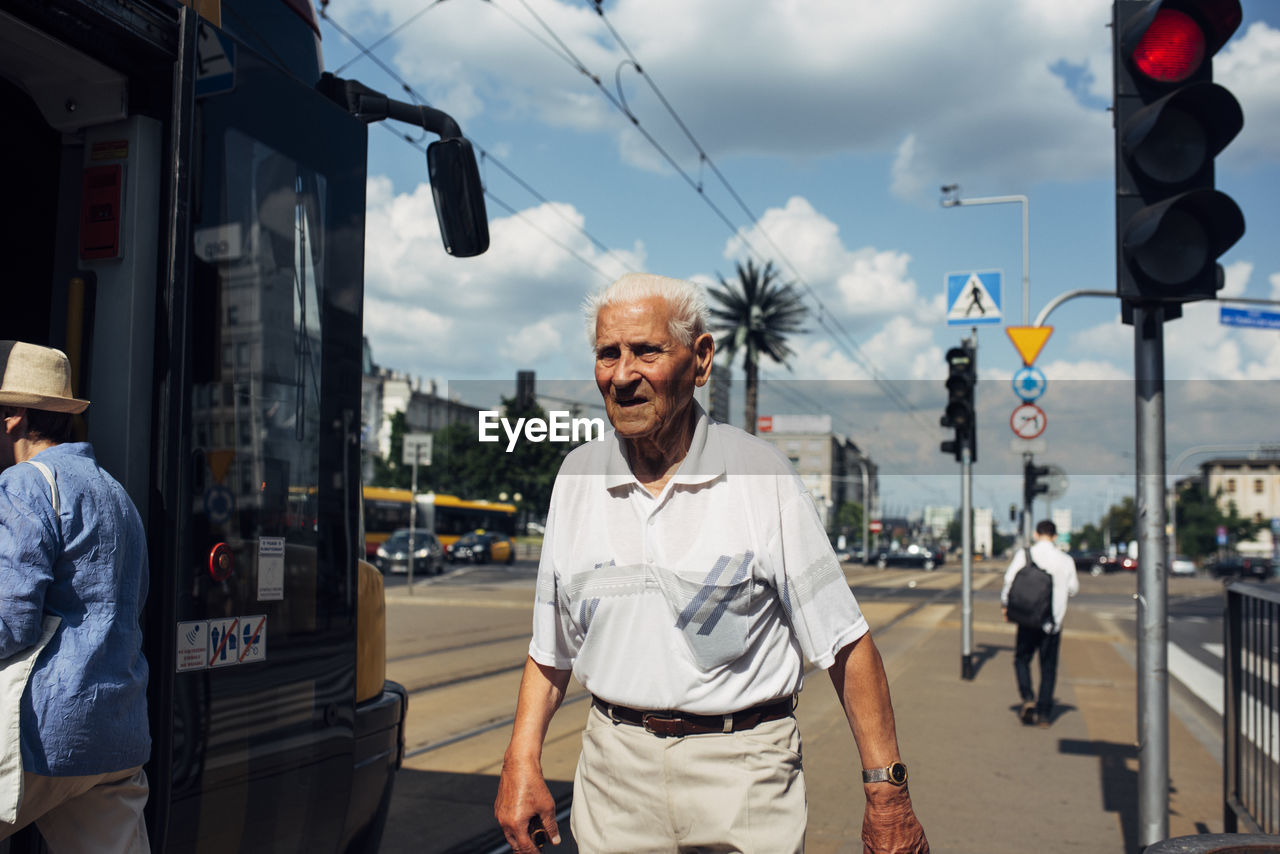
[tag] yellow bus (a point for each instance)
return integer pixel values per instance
(386, 510)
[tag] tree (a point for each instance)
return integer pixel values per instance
(755, 315)
(464, 466)
(1120, 521)
(1199, 516)
(1089, 538)
(388, 470)
(849, 519)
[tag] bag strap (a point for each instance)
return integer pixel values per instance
(53, 485)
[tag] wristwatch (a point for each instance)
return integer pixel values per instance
(894, 772)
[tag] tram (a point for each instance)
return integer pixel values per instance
(185, 218)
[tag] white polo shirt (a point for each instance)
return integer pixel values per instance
(706, 598)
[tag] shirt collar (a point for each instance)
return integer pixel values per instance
(66, 449)
(704, 461)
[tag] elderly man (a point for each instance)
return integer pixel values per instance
(685, 577)
(71, 547)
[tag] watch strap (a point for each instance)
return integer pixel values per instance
(895, 773)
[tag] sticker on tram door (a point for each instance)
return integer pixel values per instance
(232, 640)
(253, 637)
(193, 645)
(224, 642)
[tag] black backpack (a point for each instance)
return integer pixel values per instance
(1031, 596)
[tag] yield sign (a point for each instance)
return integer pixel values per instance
(1029, 340)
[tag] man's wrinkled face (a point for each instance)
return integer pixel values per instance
(644, 374)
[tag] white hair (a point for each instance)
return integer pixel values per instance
(687, 302)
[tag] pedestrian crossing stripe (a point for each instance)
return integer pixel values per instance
(974, 298)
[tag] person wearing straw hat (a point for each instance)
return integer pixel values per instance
(73, 575)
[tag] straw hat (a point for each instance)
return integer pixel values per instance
(36, 377)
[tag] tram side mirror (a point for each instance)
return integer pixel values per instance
(459, 197)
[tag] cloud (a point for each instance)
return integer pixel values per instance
(872, 321)
(1236, 277)
(1250, 67)
(534, 342)
(431, 314)
(863, 285)
(832, 76)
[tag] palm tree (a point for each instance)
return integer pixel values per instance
(755, 314)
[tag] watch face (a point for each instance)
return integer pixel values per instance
(897, 773)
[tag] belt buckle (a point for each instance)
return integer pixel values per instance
(652, 717)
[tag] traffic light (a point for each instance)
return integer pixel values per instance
(1031, 485)
(1171, 120)
(962, 376)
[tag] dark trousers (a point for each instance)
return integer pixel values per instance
(1031, 641)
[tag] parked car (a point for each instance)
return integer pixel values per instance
(1117, 563)
(1182, 565)
(483, 547)
(393, 555)
(1086, 561)
(1238, 566)
(915, 557)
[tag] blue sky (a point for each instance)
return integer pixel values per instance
(835, 122)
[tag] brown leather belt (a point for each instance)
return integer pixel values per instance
(672, 723)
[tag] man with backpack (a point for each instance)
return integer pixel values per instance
(1042, 632)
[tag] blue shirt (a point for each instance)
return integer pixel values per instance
(85, 707)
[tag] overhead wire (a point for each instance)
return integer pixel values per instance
(523, 217)
(366, 51)
(485, 155)
(839, 334)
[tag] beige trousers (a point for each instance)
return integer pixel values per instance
(735, 793)
(98, 814)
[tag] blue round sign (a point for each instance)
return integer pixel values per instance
(1029, 383)
(219, 504)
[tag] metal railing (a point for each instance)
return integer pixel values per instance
(1251, 717)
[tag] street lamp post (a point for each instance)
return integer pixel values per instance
(951, 199)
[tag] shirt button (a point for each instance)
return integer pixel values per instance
(652, 521)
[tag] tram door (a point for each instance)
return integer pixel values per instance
(243, 376)
(264, 662)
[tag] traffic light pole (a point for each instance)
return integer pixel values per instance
(966, 564)
(413, 517)
(1153, 593)
(1028, 503)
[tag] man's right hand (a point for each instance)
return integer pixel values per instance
(523, 795)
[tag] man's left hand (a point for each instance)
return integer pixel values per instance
(890, 826)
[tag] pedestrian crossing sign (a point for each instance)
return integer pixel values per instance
(973, 299)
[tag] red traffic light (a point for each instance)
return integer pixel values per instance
(1172, 48)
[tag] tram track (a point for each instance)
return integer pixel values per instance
(462, 694)
(867, 594)
(457, 647)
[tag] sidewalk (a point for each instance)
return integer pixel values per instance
(983, 782)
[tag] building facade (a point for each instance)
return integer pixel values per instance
(384, 392)
(833, 468)
(1253, 485)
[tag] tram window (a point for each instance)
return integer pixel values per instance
(270, 341)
